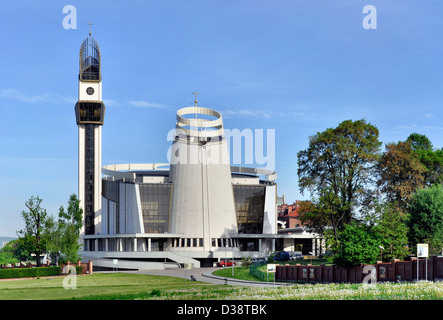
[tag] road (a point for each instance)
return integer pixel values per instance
(205, 275)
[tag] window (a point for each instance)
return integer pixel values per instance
(89, 162)
(249, 208)
(89, 112)
(311, 273)
(382, 272)
(90, 91)
(155, 199)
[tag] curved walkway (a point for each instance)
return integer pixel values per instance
(205, 275)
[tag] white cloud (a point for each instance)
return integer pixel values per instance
(109, 102)
(267, 114)
(146, 104)
(45, 97)
(428, 115)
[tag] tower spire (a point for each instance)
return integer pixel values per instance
(195, 93)
(90, 24)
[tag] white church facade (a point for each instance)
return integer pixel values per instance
(195, 210)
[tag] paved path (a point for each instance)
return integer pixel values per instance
(205, 275)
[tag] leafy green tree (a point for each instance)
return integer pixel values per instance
(357, 245)
(338, 165)
(14, 252)
(419, 142)
(7, 255)
(400, 173)
(391, 226)
(322, 216)
(54, 243)
(71, 222)
(426, 218)
(64, 234)
(431, 159)
(35, 220)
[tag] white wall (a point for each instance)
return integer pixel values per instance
(202, 196)
(270, 215)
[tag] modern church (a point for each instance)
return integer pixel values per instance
(194, 211)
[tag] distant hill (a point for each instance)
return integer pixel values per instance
(5, 239)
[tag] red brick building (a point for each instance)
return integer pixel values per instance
(288, 215)
(302, 241)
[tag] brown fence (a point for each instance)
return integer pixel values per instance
(392, 272)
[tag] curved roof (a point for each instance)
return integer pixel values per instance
(127, 170)
(90, 69)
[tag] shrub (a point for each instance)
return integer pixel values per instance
(29, 272)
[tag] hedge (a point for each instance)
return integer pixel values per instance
(29, 272)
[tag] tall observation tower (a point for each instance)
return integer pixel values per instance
(202, 204)
(89, 113)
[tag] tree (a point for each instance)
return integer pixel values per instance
(323, 217)
(13, 252)
(71, 223)
(64, 234)
(339, 164)
(7, 255)
(54, 244)
(426, 218)
(419, 142)
(400, 173)
(391, 226)
(35, 220)
(431, 159)
(357, 245)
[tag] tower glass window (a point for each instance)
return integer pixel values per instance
(90, 60)
(90, 112)
(89, 179)
(155, 200)
(90, 90)
(249, 208)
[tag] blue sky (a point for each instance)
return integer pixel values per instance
(296, 66)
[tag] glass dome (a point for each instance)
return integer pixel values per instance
(90, 60)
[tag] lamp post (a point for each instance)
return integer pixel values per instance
(381, 253)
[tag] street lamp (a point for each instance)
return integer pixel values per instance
(381, 253)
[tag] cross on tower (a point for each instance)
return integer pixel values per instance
(90, 24)
(195, 93)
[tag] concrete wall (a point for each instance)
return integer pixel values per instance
(202, 204)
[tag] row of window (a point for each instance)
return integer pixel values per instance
(156, 198)
(198, 242)
(187, 243)
(89, 179)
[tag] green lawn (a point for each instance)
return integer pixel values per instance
(241, 273)
(108, 286)
(92, 285)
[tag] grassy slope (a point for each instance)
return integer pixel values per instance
(95, 284)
